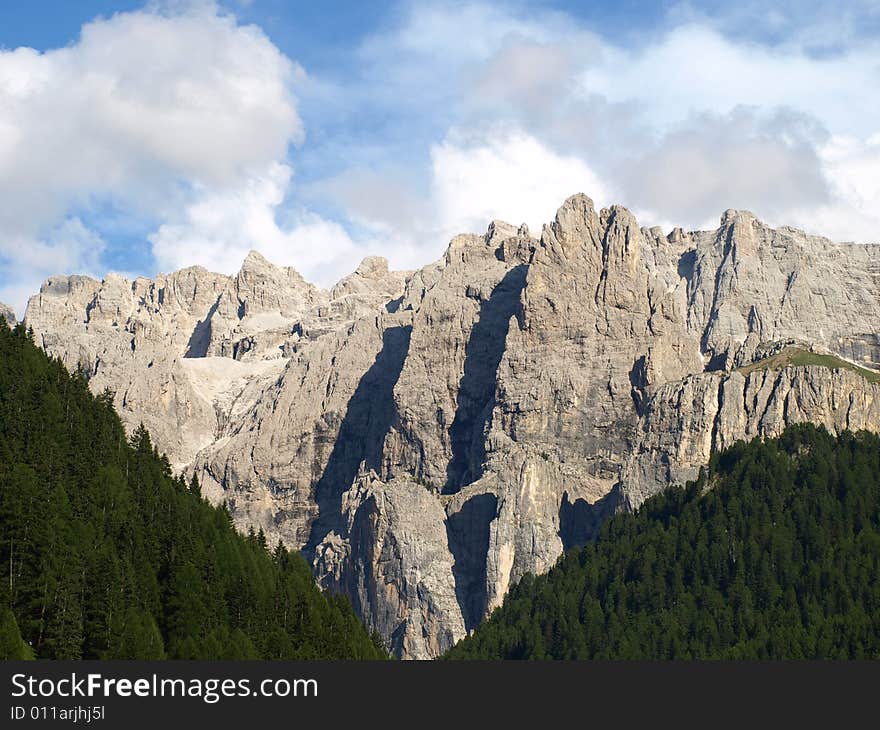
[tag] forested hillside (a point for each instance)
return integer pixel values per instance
(105, 554)
(774, 552)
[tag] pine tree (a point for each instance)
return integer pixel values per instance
(194, 486)
(12, 646)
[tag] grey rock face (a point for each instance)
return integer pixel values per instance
(427, 438)
(686, 421)
(189, 353)
(7, 314)
(393, 560)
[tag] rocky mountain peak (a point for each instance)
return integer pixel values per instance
(372, 285)
(372, 267)
(576, 215)
(499, 230)
(732, 216)
(677, 235)
(263, 286)
(257, 268)
(64, 285)
(255, 261)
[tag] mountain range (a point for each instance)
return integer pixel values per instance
(428, 438)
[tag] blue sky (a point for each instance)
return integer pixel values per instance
(145, 137)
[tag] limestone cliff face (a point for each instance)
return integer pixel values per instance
(427, 438)
(393, 560)
(685, 422)
(7, 314)
(189, 353)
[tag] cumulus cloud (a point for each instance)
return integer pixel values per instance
(218, 229)
(751, 161)
(680, 126)
(70, 246)
(511, 176)
(852, 167)
(695, 68)
(148, 110)
(474, 176)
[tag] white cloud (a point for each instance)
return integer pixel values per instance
(70, 246)
(474, 177)
(148, 110)
(749, 160)
(852, 167)
(819, 25)
(695, 68)
(219, 228)
(507, 175)
(680, 126)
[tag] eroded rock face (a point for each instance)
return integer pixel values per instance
(189, 353)
(7, 314)
(428, 438)
(391, 556)
(686, 421)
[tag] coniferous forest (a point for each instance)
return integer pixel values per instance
(105, 554)
(773, 553)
